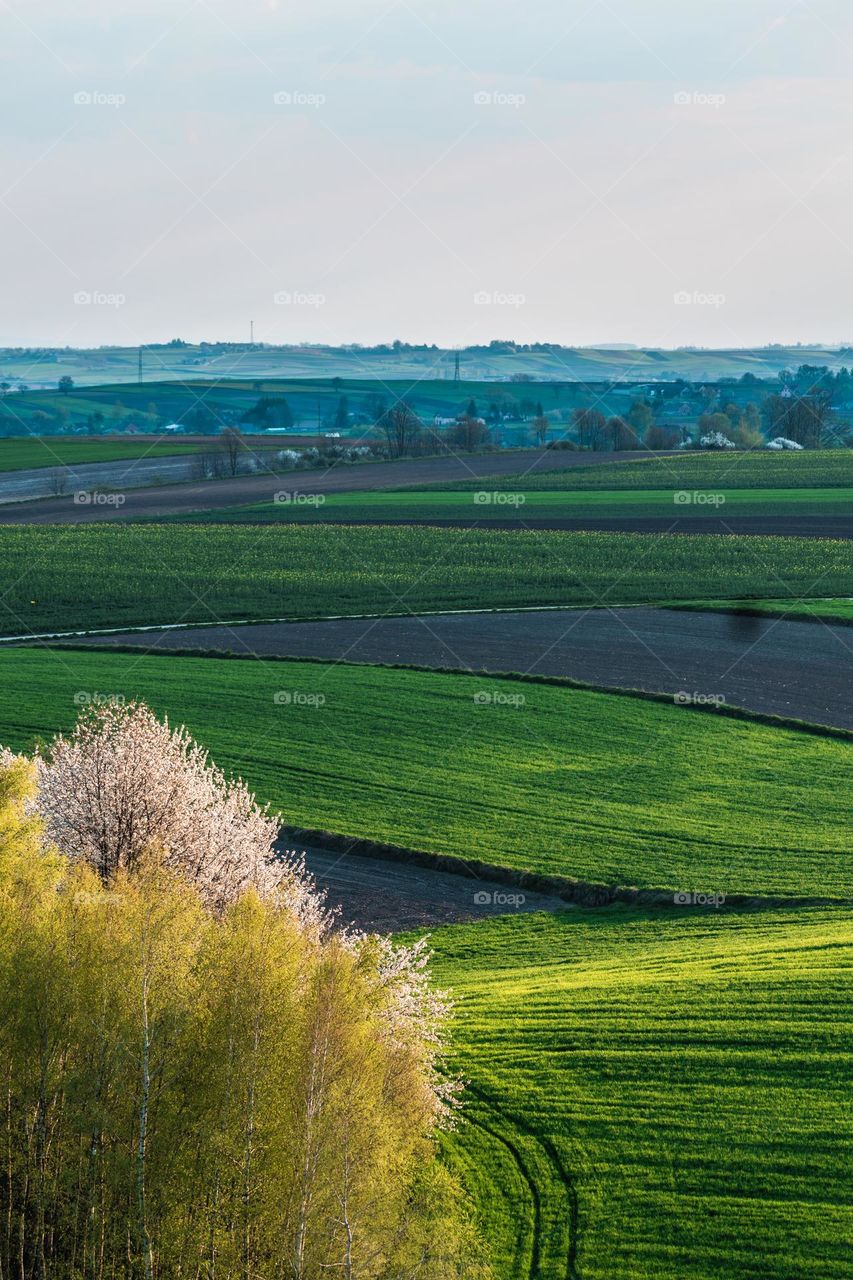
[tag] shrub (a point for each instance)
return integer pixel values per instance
(189, 1093)
(780, 442)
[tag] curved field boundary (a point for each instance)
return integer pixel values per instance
(568, 888)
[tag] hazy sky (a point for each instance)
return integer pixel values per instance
(665, 173)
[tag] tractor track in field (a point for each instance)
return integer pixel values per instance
(566, 1180)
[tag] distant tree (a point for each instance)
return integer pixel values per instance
(4, 387)
(402, 429)
(468, 433)
(342, 415)
(641, 417)
(66, 384)
(336, 385)
(233, 446)
(540, 426)
(657, 437)
(801, 418)
(590, 425)
(471, 410)
(620, 435)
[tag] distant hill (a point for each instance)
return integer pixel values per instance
(499, 361)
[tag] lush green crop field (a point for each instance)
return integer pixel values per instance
(18, 454)
(684, 1079)
(808, 610)
(78, 576)
(540, 504)
(603, 787)
(747, 469)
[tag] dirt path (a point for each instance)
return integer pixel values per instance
(385, 896)
(183, 499)
(778, 667)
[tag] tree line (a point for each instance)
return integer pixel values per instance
(202, 1076)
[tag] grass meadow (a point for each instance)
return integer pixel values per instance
(90, 576)
(656, 1096)
(605, 788)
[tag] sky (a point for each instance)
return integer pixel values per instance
(665, 173)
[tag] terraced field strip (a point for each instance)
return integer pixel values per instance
(19, 454)
(691, 1074)
(829, 611)
(693, 469)
(610, 789)
(94, 576)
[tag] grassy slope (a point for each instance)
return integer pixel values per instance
(114, 575)
(686, 1074)
(539, 504)
(758, 469)
(599, 786)
(805, 610)
(36, 451)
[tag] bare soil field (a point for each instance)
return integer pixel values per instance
(777, 667)
(218, 495)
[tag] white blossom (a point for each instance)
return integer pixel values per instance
(124, 785)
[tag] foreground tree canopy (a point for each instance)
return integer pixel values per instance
(199, 1084)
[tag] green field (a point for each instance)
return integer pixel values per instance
(542, 504)
(804, 610)
(708, 472)
(19, 454)
(603, 787)
(678, 1085)
(89, 576)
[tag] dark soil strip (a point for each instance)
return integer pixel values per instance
(790, 669)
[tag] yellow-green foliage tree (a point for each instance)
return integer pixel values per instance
(188, 1092)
